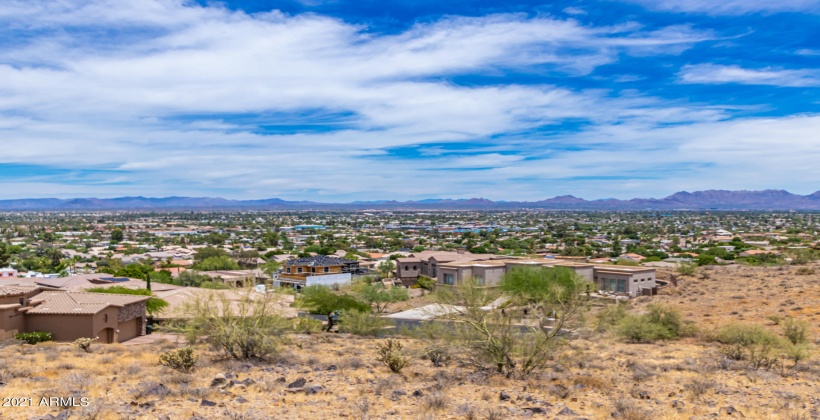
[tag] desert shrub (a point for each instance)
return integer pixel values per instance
(435, 400)
(749, 342)
(245, 328)
(686, 268)
(796, 331)
(426, 282)
(391, 354)
(804, 271)
(610, 316)
(34, 337)
(659, 323)
(84, 343)
(307, 325)
(361, 323)
(182, 360)
(626, 410)
(699, 387)
(776, 319)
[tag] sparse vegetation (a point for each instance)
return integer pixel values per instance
(182, 360)
(84, 343)
(391, 354)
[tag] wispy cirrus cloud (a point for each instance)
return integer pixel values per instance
(732, 7)
(713, 73)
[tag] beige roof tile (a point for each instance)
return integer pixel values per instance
(78, 303)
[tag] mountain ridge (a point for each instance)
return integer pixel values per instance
(682, 200)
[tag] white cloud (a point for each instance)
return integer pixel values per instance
(732, 7)
(153, 101)
(713, 73)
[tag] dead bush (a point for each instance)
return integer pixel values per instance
(435, 401)
(625, 409)
(699, 387)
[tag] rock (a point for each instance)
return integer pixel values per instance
(399, 392)
(678, 404)
(503, 396)
(299, 383)
(230, 376)
(158, 389)
(332, 367)
(644, 395)
(62, 415)
(207, 403)
(566, 412)
(731, 411)
(218, 380)
(147, 405)
(281, 379)
(535, 410)
(313, 389)
(418, 393)
(241, 400)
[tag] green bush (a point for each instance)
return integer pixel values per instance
(361, 323)
(639, 329)
(610, 316)
(749, 342)
(307, 325)
(796, 331)
(659, 323)
(392, 355)
(182, 360)
(426, 283)
(35, 337)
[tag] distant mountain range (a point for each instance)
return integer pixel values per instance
(700, 200)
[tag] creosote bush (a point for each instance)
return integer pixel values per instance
(182, 360)
(84, 343)
(750, 342)
(659, 323)
(391, 354)
(361, 323)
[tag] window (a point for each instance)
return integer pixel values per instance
(449, 279)
(105, 318)
(406, 268)
(622, 285)
(288, 270)
(479, 280)
(414, 268)
(327, 269)
(312, 269)
(299, 270)
(635, 281)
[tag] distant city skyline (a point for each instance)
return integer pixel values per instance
(342, 100)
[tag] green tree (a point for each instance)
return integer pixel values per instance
(153, 306)
(379, 297)
(216, 263)
(322, 300)
(4, 255)
(385, 268)
(117, 235)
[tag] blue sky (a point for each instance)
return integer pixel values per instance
(337, 100)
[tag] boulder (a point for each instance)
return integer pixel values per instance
(299, 383)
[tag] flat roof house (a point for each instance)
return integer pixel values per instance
(625, 280)
(318, 269)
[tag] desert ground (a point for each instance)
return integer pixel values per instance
(332, 375)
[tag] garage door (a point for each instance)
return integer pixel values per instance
(128, 330)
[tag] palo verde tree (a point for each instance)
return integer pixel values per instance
(515, 329)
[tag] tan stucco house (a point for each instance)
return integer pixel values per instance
(111, 318)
